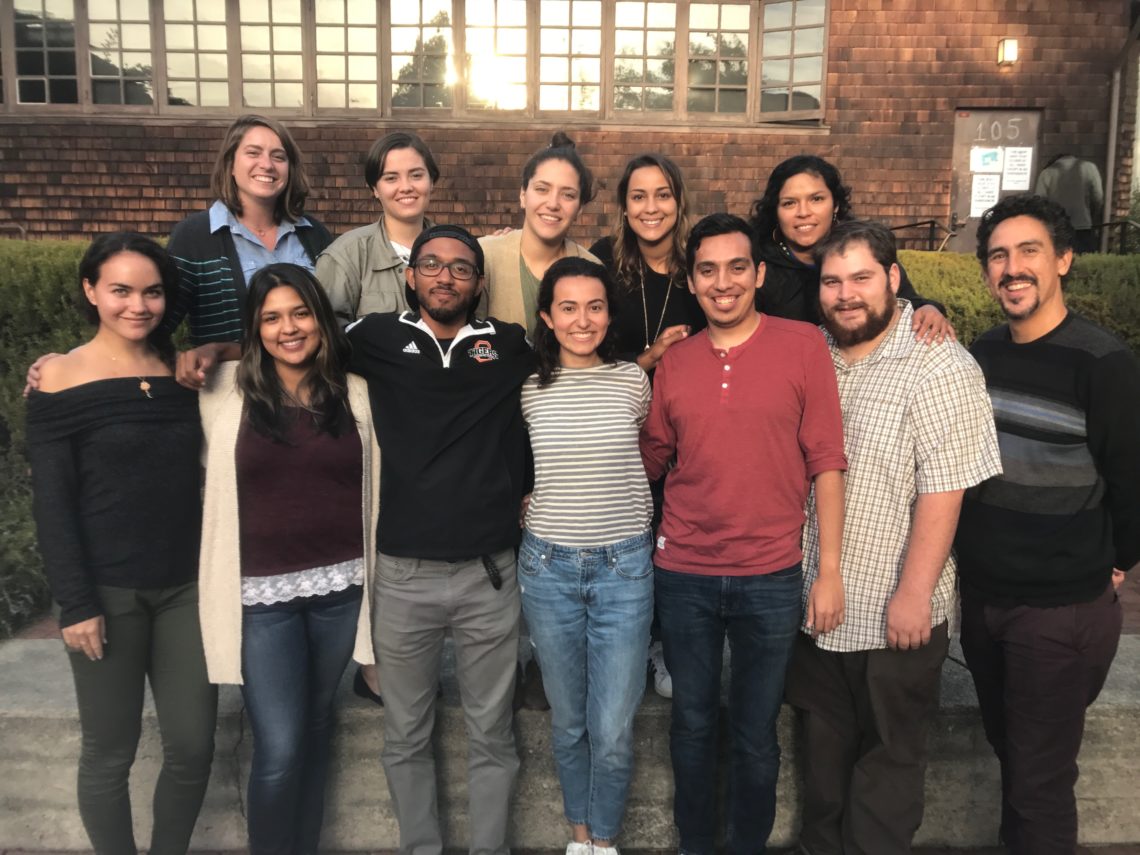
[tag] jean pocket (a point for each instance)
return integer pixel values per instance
(532, 560)
(636, 564)
(391, 568)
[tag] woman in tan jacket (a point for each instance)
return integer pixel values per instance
(555, 186)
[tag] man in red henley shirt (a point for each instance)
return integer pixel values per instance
(748, 413)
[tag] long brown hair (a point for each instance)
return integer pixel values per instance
(257, 378)
(628, 265)
(291, 203)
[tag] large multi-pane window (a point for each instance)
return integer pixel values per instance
(733, 62)
(197, 58)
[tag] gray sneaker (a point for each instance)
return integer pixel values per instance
(662, 681)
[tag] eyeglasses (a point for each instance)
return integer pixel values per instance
(462, 270)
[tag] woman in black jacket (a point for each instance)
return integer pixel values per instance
(805, 196)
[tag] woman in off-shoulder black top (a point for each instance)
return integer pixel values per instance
(114, 446)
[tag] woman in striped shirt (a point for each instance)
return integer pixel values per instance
(586, 557)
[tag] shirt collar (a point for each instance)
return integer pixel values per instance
(223, 217)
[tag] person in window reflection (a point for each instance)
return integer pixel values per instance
(292, 493)
(804, 198)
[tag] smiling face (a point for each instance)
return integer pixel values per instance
(725, 279)
(857, 296)
(261, 167)
(128, 295)
(1023, 271)
(551, 201)
(405, 186)
(650, 206)
(289, 331)
(805, 211)
(445, 300)
(579, 316)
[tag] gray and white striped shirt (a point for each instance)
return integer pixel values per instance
(590, 487)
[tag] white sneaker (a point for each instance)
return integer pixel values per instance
(662, 683)
(575, 848)
(604, 850)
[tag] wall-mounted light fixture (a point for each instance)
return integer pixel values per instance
(1007, 52)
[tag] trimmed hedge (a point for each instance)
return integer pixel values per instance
(38, 293)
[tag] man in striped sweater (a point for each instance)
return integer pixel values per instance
(1041, 548)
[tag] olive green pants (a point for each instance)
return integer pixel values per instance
(151, 634)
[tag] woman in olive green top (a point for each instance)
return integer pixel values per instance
(363, 271)
(555, 186)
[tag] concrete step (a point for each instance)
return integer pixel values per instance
(39, 746)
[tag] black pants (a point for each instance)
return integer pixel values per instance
(866, 716)
(1036, 670)
(151, 634)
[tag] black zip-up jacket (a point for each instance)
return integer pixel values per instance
(453, 445)
(791, 288)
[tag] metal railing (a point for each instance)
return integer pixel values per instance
(935, 238)
(1123, 236)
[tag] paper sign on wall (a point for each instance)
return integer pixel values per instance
(984, 193)
(985, 159)
(1015, 171)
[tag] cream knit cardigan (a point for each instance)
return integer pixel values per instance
(219, 563)
(502, 255)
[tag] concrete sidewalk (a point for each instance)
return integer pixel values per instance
(39, 744)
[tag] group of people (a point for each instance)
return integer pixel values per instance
(409, 433)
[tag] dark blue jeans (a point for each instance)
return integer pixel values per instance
(292, 657)
(760, 616)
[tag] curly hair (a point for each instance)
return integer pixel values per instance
(763, 219)
(1046, 211)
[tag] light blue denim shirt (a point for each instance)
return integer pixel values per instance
(252, 254)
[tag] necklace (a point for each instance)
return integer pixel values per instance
(144, 384)
(645, 307)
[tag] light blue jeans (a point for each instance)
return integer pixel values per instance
(589, 612)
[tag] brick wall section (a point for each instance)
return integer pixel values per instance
(897, 69)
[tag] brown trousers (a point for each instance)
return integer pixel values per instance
(865, 719)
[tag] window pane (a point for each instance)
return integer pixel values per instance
(105, 92)
(288, 95)
(213, 66)
(330, 67)
(287, 67)
(702, 72)
(331, 95)
(181, 65)
(422, 53)
(778, 43)
(257, 95)
(703, 16)
(362, 96)
(362, 68)
(209, 10)
(496, 68)
(659, 70)
(287, 38)
(179, 37)
(734, 17)
(807, 70)
(809, 41)
(629, 14)
(255, 38)
(774, 101)
(658, 98)
(254, 11)
(97, 9)
(361, 13)
(810, 12)
(363, 40)
(734, 73)
(732, 101)
(702, 101)
(646, 52)
(214, 94)
(554, 40)
(555, 13)
(256, 66)
(585, 98)
(776, 71)
(629, 42)
(330, 40)
(806, 98)
(554, 97)
(777, 15)
(45, 52)
(331, 11)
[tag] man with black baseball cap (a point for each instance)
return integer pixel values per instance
(445, 387)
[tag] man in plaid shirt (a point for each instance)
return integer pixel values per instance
(918, 430)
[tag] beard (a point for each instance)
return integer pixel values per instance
(458, 310)
(1019, 313)
(875, 322)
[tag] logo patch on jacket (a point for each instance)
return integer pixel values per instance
(481, 351)
(410, 347)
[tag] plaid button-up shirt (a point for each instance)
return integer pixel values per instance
(916, 419)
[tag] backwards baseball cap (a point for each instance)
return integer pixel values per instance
(445, 231)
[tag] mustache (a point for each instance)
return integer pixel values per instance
(851, 304)
(1028, 278)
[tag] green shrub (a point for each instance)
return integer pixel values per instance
(38, 292)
